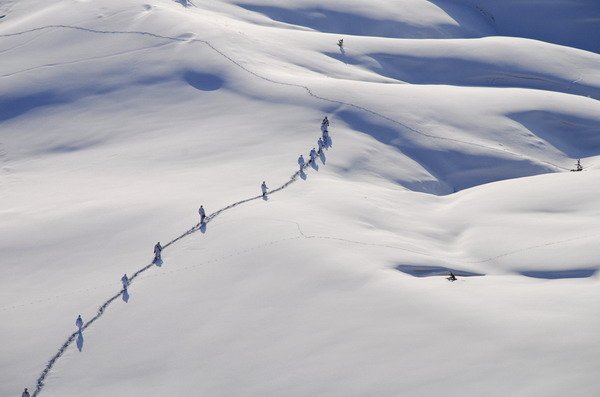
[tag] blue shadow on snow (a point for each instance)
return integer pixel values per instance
(430, 271)
(203, 81)
(559, 274)
(454, 169)
(333, 21)
(80, 341)
(11, 107)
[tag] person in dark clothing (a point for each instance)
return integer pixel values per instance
(125, 281)
(301, 162)
(157, 251)
(264, 189)
(202, 214)
(313, 155)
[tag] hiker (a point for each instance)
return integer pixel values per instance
(125, 281)
(321, 145)
(157, 249)
(326, 140)
(452, 277)
(313, 155)
(264, 189)
(202, 214)
(79, 322)
(301, 162)
(324, 124)
(25, 393)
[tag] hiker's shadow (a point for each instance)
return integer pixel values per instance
(302, 174)
(322, 157)
(125, 295)
(314, 165)
(265, 197)
(158, 262)
(80, 341)
(202, 228)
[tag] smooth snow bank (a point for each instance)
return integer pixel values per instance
(568, 23)
(573, 23)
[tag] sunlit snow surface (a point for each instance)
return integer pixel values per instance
(454, 125)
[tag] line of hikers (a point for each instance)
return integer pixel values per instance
(323, 143)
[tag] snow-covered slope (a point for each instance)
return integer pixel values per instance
(454, 126)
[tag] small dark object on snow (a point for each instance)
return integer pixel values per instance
(341, 43)
(578, 167)
(452, 277)
(79, 323)
(157, 250)
(202, 214)
(25, 393)
(264, 188)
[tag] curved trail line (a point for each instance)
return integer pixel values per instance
(104, 306)
(305, 88)
(423, 253)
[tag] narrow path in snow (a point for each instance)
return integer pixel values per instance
(106, 304)
(305, 88)
(423, 253)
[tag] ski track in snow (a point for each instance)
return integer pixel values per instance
(76, 61)
(395, 247)
(21, 44)
(294, 177)
(305, 88)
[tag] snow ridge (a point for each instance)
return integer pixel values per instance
(306, 88)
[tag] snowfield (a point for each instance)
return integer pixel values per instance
(454, 127)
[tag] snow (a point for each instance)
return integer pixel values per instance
(454, 127)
